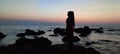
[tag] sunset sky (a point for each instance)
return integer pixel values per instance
(86, 11)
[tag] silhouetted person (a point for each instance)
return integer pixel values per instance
(70, 24)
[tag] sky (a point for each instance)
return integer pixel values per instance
(85, 11)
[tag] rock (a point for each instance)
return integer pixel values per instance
(23, 41)
(78, 30)
(60, 31)
(99, 30)
(54, 49)
(42, 42)
(70, 39)
(63, 32)
(71, 49)
(90, 43)
(20, 35)
(53, 35)
(32, 32)
(2, 35)
(40, 32)
(49, 30)
(85, 31)
(57, 30)
(91, 51)
(38, 42)
(107, 40)
(113, 29)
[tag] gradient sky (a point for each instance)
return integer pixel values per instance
(86, 11)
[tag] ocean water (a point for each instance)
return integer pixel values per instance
(112, 47)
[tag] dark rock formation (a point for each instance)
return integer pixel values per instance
(23, 41)
(90, 43)
(99, 30)
(70, 39)
(49, 30)
(2, 35)
(42, 42)
(40, 32)
(84, 32)
(38, 42)
(60, 31)
(53, 35)
(54, 49)
(111, 29)
(57, 30)
(68, 49)
(107, 40)
(78, 30)
(31, 32)
(21, 35)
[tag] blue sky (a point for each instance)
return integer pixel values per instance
(86, 11)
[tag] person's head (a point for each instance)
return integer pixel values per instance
(70, 13)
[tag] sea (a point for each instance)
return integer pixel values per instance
(104, 47)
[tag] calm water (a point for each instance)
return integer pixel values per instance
(103, 47)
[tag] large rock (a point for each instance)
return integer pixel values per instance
(84, 32)
(53, 35)
(71, 49)
(78, 30)
(38, 42)
(99, 30)
(60, 31)
(2, 35)
(23, 41)
(32, 32)
(70, 39)
(21, 35)
(42, 42)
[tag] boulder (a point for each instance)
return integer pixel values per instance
(2, 35)
(99, 30)
(68, 39)
(85, 31)
(42, 42)
(53, 35)
(20, 35)
(60, 31)
(32, 32)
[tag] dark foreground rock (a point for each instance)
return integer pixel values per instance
(29, 32)
(2, 35)
(107, 40)
(60, 31)
(53, 35)
(68, 39)
(53, 49)
(113, 29)
(20, 35)
(43, 46)
(84, 32)
(38, 42)
(98, 30)
(90, 43)
(32, 32)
